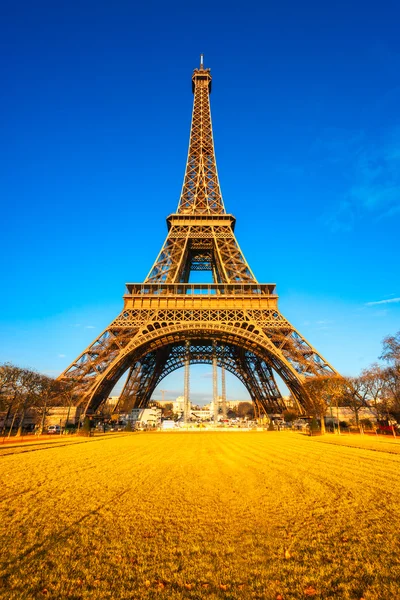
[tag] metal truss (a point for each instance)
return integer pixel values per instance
(201, 193)
(206, 244)
(223, 394)
(201, 234)
(142, 379)
(166, 314)
(253, 372)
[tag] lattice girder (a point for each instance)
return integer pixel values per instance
(142, 380)
(262, 390)
(130, 390)
(201, 193)
(166, 310)
(215, 238)
(255, 324)
(268, 397)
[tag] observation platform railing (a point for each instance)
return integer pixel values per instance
(203, 289)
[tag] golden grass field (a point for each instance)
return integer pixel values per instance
(201, 515)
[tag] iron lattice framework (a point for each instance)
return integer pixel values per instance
(167, 320)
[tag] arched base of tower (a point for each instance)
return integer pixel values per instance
(158, 353)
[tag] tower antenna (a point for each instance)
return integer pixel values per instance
(201, 61)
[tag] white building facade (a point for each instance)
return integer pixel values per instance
(145, 417)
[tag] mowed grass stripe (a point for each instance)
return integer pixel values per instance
(24, 446)
(190, 515)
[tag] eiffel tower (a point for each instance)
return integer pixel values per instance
(168, 322)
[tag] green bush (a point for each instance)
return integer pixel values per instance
(314, 425)
(289, 416)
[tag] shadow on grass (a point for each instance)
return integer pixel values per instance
(10, 450)
(40, 549)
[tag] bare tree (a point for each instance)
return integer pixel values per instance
(355, 394)
(375, 381)
(391, 396)
(391, 349)
(9, 389)
(30, 387)
(47, 395)
(391, 354)
(245, 409)
(8, 372)
(67, 395)
(290, 415)
(25, 389)
(321, 393)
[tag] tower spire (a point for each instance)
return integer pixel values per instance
(201, 193)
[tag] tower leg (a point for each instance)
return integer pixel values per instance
(128, 395)
(260, 382)
(186, 392)
(215, 384)
(271, 399)
(223, 393)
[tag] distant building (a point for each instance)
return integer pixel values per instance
(58, 415)
(145, 417)
(177, 405)
(201, 414)
(232, 404)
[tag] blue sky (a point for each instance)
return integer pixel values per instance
(95, 115)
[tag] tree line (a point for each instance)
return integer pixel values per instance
(377, 387)
(24, 390)
(242, 410)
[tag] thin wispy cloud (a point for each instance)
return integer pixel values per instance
(90, 327)
(61, 355)
(387, 301)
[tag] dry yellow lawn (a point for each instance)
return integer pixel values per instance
(201, 515)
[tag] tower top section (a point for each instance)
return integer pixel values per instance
(201, 193)
(201, 77)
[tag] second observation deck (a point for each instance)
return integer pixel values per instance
(201, 289)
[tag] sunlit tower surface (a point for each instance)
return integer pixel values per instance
(168, 323)
(215, 384)
(223, 394)
(186, 393)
